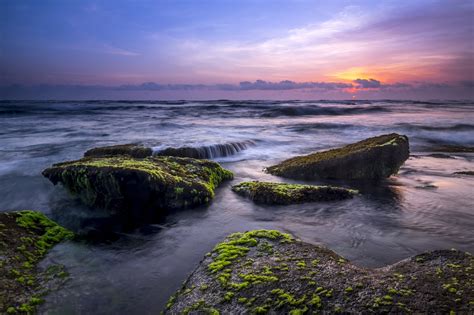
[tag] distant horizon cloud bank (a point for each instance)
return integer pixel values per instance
(359, 88)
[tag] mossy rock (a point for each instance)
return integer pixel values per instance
(25, 238)
(133, 150)
(373, 158)
(285, 194)
(140, 190)
(266, 271)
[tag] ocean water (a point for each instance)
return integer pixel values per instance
(424, 207)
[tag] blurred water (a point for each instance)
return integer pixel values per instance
(425, 207)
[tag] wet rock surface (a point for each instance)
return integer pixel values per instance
(25, 238)
(139, 190)
(372, 158)
(265, 271)
(133, 150)
(285, 194)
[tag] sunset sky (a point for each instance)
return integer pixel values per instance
(237, 49)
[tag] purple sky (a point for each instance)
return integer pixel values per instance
(237, 49)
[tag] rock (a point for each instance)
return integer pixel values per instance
(372, 158)
(133, 150)
(285, 194)
(25, 238)
(470, 173)
(207, 152)
(139, 190)
(265, 271)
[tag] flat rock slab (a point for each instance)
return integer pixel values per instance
(133, 150)
(140, 190)
(285, 194)
(265, 271)
(373, 158)
(25, 237)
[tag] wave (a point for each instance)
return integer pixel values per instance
(311, 110)
(206, 152)
(456, 127)
(317, 126)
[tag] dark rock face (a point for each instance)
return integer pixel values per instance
(133, 150)
(25, 237)
(285, 194)
(266, 271)
(140, 190)
(373, 158)
(207, 152)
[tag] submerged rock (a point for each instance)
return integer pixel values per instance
(140, 190)
(207, 152)
(133, 150)
(372, 158)
(470, 173)
(448, 148)
(25, 238)
(265, 271)
(284, 194)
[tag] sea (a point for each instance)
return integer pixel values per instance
(424, 207)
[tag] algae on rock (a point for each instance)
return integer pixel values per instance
(140, 189)
(372, 158)
(266, 271)
(284, 194)
(25, 238)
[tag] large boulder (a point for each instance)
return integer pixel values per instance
(265, 271)
(25, 238)
(285, 194)
(373, 158)
(133, 150)
(140, 189)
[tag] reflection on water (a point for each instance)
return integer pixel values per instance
(424, 207)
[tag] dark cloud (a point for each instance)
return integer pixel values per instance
(291, 85)
(368, 83)
(368, 88)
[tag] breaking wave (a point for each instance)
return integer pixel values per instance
(206, 152)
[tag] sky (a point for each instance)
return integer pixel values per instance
(245, 49)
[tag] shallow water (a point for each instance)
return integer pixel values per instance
(424, 207)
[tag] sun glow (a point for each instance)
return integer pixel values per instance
(352, 74)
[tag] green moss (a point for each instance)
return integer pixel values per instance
(53, 233)
(228, 296)
(301, 264)
(349, 290)
(237, 245)
(316, 301)
(256, 279)
(261, 309)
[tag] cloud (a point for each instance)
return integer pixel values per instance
(368, 84)
(259, 89)
(109, 49)
(291, 85)
(242, 86)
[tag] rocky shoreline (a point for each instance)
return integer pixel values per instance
(266, 271)
(25, 238)
(261, 271)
